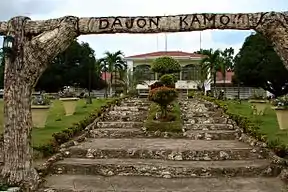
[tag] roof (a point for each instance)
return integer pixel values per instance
(166, 53)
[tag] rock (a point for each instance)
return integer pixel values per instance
(223, 155)
(178, 157)
(284, 175)
(13, 189)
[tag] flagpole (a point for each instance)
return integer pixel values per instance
(200, 40)
(165, 39)
(157, 39)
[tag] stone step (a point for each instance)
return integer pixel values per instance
(166, 169)
(125, 118)
(211, 134)
(156, 148)
(204, 114)
(138, 133)
(117, 124)
(130, 108)
(197, 126)
(205, 120)
(117, 133)
(88, 183)
(135, 104)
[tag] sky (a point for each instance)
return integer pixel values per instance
(132, 44)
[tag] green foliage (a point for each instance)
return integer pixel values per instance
(114, 64)
(281, 102)
(163, 96)
(133, 92)
(71, 67)
(168, 80)
(258, 65)
(211, 62)
(156, 85)
(73, 131)
(173, 126)
(165, 65)
(42, 99)
(257, 95)
(252, 128)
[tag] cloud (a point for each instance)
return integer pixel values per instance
(138, 43)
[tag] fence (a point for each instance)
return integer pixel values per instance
(244, 92)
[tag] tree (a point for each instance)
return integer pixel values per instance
(258, 65)
(115, 63)
(163, 92)
(2, 66)
(212, 62)
(72, 67)
(102, 67)
(227, 57)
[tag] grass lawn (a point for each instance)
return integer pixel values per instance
(171, 126)
(57, 120)
(268, 122)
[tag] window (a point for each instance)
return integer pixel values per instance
(144, 72)
(191, 72)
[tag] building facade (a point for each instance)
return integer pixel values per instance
(188, 79)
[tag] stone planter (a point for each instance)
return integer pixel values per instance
(259, 106)
(282, 117)
(69, 105)
(39, 115)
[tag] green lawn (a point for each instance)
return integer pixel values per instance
(57, 120)
(170, 126)
(268, 122)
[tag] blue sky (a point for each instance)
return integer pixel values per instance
(137, 44)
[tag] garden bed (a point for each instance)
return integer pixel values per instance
(171, 124)
(263, 128)
(60, 128)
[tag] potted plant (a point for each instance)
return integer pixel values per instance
(40, 108)
(280, 105)
(259, 103)
(69, 100)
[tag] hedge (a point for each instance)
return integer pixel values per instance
(75, 130)
(252, 129)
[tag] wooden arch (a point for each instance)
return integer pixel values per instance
(38, 42)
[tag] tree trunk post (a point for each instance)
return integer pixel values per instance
(31, 56)
(18, 169)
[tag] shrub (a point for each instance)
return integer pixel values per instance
(163, 96)
(133, 93)
(165, 65)
(42, 99)
(168, 80)
(251, 128)
(76, 129)
(156, 85)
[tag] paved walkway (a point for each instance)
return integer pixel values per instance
(120, 156)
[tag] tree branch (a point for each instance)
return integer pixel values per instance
(156, 24)
(48, 45)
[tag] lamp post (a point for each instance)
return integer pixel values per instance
(8, 44)
(89, 99)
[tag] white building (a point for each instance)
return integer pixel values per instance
(188, 78)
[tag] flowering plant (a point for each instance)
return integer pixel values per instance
(281, 102)
(42, 99)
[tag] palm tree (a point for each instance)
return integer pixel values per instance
(212, 63)
(227, 62)
(115, 64)
(102, 66)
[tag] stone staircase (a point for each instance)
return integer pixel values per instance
(119, 156)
